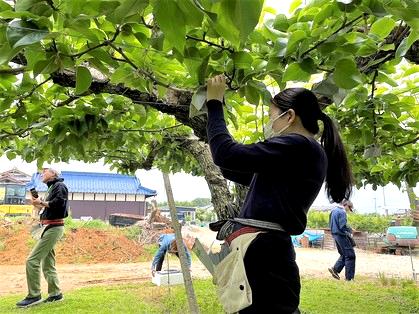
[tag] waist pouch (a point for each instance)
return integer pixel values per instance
(233, 289)
(37, 231)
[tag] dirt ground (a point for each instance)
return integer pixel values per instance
(113, 267)
(312, 263)
(77, 246)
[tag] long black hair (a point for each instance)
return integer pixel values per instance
(339, 178)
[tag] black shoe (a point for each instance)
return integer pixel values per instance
(334, 273)
(26, 302)
(54, 298)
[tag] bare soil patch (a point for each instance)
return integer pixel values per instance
(77, 246)
(95, 257)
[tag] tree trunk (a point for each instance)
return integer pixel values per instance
(240, 194)
(193, 305)
(220, 194)
(414, 204)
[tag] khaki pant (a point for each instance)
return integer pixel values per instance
(43, 253)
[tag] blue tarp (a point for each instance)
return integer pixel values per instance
(312, 235)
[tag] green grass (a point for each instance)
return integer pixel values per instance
(132, 232)
(144, 298)
(70, 223)
(361, 296)
(317, 296)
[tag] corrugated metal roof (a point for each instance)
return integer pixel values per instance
(96, 182)
(179, 209)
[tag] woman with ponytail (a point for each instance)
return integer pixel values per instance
(284, 173)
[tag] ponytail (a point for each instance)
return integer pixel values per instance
(304, 102)
(339, 176)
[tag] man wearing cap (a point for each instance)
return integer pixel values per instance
(342, 234)
(53, 210)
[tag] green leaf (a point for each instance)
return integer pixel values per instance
(294, 5)
(346, 74)
(171, 21)
(251, 118)
(293, 41)
(406, 44)
(281, 23)
(34, 55)
(24, 5)
(294, 72)
(252, 93)
(121, 75)
(377, 8)
(224, 26)
(21, 33)
(202, 70)
(157, 40)
(11, 155)
(382, 27)
(127, 9)
(83, 79)
(382, 77)
(193, 16)
(211, 15)
(103, 56)
(324, 13)
(45, 67)
(7, 53)
(243, 14)
(5, 6)
(21, 122)
(326, 88)
(368, 48)
(387, 47)
(411, 70)
(242, 60)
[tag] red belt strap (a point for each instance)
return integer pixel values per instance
(241, 231)
(53, 222)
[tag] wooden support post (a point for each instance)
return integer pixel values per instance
(193, 305)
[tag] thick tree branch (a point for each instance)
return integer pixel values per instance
(179, 108)
(369, 64)
(371, 100)
(412, 141)
(13, 71)
(152, 131)
(344, 25)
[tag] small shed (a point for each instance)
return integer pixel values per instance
(182, 212)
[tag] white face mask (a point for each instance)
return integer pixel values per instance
(269, 131)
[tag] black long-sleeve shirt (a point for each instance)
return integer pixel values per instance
(284, 173)
(57, 198)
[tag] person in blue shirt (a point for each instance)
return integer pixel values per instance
(167, 244)
(342, 233)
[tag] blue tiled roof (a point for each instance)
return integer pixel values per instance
(95, 182)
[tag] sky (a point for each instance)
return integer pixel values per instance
(187, 187)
